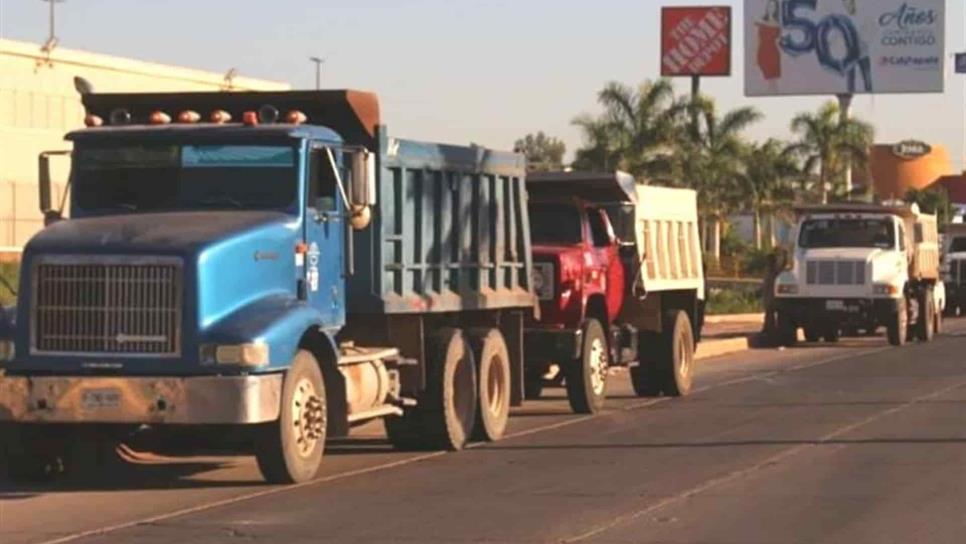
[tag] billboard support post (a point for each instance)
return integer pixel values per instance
(845, 113)
(695, 93)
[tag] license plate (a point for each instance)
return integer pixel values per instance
(100, 399)
(834, 305)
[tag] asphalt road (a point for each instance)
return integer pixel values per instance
(852, 443)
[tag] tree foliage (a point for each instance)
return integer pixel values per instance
(933, 200)
(544, 153)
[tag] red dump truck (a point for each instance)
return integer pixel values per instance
(617, 268)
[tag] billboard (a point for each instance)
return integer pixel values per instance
(799, 47)
(696, 41)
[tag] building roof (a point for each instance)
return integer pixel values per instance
(955, 187)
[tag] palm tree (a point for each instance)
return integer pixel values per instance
(710, 159)
(634, 131)
(767, 177)
(829, 143)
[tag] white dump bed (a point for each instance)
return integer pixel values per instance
(668, 241)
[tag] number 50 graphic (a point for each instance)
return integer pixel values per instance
(803, 36)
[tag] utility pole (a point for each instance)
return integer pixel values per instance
(319, 61)
(52, 37)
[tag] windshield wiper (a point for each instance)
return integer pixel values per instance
(223, 199)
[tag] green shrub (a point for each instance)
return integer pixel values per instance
(732, 301)
(9, 272)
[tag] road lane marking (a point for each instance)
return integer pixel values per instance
(770, 461)
(632, 406)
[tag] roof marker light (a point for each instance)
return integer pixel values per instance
(92, 120)
(250, 118)
(220, 117)
(120, 116)
(159, 118)
(268, 114)
(295, 117)
(188, 117)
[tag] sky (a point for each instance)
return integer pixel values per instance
(461, 71)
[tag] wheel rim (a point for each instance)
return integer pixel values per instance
(684, 368)
(308, 417)
(494, 385)
(598, 366)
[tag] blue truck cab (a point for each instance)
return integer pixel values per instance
(269, 262)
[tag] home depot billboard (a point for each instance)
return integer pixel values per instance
(696, 41)
(797, 47)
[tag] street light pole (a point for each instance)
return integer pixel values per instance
(319, 61)
(52, 38)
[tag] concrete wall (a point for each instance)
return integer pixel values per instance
(38, 105)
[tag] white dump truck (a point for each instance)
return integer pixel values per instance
(954, 268)
(860, 267)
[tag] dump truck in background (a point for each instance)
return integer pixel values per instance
(954, 268)
(273, 263)
(618, 271)
(861, 266)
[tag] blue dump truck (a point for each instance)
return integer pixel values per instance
(273, 264)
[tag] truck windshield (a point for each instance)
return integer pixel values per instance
(819, 233)
(958, 245)
(184, 177)
(555, 224)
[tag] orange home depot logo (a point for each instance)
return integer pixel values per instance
(696, 41)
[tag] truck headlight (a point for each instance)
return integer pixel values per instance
(787, 289)
(250, 354)
(7, 351)
(885, 289)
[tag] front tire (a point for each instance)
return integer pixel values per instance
(290, 449)
(786, 331)
(925, 328)
(587, 377)
(898, 325)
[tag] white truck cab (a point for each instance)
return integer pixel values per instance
(861, 266)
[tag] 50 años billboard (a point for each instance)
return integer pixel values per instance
(797, 47)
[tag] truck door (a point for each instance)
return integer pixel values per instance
(608, 269)
(324, 236)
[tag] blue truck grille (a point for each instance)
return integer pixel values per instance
(129, 308)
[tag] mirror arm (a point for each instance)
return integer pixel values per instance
(338, 178)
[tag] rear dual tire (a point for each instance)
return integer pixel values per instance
(666, 361)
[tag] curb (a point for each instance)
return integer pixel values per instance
(735, 318)
(708, 349)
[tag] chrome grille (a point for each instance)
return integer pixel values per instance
(828, 272)
(123, 306)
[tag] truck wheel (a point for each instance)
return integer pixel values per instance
(925, 328)
(644, 376)
(289, 450)
(676, 364)
(811, 334)
(91, 455)
(493, 378)
(587, 377)
(898, 325)
(937, 321)
(832, 334)
(786, 330)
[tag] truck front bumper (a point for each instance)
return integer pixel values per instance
(552, 345)
(207, 400)
(857, 311)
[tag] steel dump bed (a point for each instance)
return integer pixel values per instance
(450, 232)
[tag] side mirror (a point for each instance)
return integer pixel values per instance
(44, 183)
(51, 215)
(363, 190)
